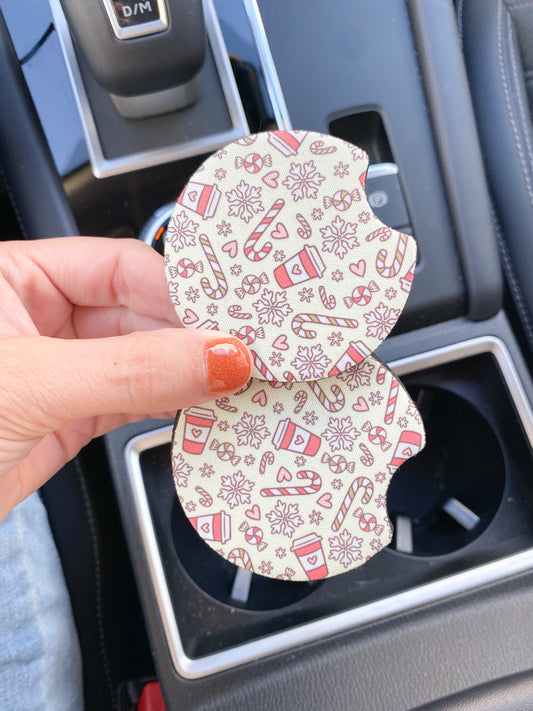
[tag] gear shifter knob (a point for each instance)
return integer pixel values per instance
(145, 53)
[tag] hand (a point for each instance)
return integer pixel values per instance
(88, 342)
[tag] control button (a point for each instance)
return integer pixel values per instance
(135, 18)
(385, 194)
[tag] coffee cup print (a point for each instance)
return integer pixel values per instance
(198, 424)
(215, 527)
(201, 199)
(310, 554)
(305, 265)
(294, 438)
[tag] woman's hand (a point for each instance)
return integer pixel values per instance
(88, 342)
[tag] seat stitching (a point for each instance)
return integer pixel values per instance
(508, 99)
(523, 115)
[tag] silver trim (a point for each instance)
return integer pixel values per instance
(350, 619)
(103, 167)
(158, 219)
(379, 170)
(270, 74)
(460, 513)
(143, 28)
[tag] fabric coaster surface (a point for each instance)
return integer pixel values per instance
(290, 482)
(273, 241)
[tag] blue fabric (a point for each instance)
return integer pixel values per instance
(40, 661)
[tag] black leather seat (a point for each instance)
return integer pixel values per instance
(498, 48)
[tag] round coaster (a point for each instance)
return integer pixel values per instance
(273, 240)
(293, 477)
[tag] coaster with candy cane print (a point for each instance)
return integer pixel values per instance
(295, 475)
(273, 241)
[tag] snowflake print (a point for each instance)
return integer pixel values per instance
(358, 375)
(251, 430)
(299, 461)
(220, 153)
(265, 567)
(249, 459)
(181, 470)
(336, 484)
(173, 291)
(192, 294)
(223, 425)
(364, 217)
(413, 412)
(317, 214)
(381, 501)
(207, 470)
(310, 417)
(278, 408)
(235, 269)
(220, 173)
(281, 552)
(390, 293)
(376, 544)
(345, 548)
(339, 237)
(381, 320)
(236, 489)
(272, 307)
(337, 275)
(284, 518)
(212, 309)
(380, 477)
(402, 422)
(306, 295)
(311, 363)
(303, 180)
(245, 201)
(340, 433)
(276, 358)
(190, 506)
(181, 232)
(315, 517)
(279, 255)
(335, 338)
(375, 398)
(224, 228)
(341, 170)
(357, 153)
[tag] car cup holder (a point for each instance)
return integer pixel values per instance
(462, 512)
(444, 498)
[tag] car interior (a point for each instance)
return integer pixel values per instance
(108, 108)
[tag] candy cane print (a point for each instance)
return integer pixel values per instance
(391, 271)
(391, 402)
(299, 320)
(266, 460)
(329, 302)
(300, 398)
(360, 483)
(367, 459)
(222, 284)
(222, 403)
(264, 370)
(330, 405)
(240, 557)
(250, 247)
(206, 498)
(381, 375)
(312, 488)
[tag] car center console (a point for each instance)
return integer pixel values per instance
(448, 606)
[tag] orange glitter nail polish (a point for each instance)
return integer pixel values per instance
(228, 364)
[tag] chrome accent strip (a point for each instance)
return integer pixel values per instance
(103, 167)
(378, 170)
(143, 28)
(270, 74)
(349, 619)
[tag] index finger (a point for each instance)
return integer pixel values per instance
(50, 275)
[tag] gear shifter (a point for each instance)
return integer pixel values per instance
(145, 53)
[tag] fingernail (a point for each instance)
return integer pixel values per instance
(228, 364)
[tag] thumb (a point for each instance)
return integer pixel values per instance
(50, 381)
